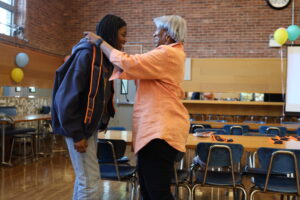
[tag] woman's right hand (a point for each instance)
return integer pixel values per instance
(91, 37)
(81, 146)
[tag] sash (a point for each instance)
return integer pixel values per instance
(94, 86)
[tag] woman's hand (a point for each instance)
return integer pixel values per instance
(91, 37)
(81, 146)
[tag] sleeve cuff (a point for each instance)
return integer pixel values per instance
(77, 137)
(117, 74)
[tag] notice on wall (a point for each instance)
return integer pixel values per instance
(187, 70)
(292, 101)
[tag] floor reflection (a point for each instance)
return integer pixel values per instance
(52, 179)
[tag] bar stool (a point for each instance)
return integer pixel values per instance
(212, 117)
(265, 119)
(236, 118)
(220, 117)
(22, 139)
(281, 119)
(40, 143)
(229, 118)
(200, 116)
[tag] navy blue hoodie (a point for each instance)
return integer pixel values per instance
(71, 90)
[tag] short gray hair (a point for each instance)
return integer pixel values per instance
(174, 24)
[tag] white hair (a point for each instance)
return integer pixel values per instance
(173, 24)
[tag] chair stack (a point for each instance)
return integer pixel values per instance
(236, 129)
(221, 167)
(193, 127)
(280, 131)
(279, 172)
(111, 168)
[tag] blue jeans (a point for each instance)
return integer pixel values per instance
(86, 169)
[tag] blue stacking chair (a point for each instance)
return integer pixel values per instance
(196, 126)
(298, 132)
(120, 146)
(236, 129)
(279, 172)
(116, 128)
(217, 120)
(215, 130)
(104, 152)
(45, 110)
(278, 130)
(254, 122)
(113, 171)
(219, 155)
(9, 110)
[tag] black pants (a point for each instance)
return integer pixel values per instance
(156, 169)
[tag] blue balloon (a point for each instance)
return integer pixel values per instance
(22, 59)
(293, 32)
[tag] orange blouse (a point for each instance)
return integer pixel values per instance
(158, 110)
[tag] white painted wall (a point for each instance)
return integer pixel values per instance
(124, 108)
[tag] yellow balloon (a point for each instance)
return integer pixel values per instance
(17, 75)
(281, 36)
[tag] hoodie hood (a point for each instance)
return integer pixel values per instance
(82, 44)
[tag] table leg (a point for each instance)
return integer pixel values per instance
(36, 145)
(3, 147)
(251, 159)
(39, 132)
(37, 141)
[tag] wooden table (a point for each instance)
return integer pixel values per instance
(28, 118)
(117, 135)
(290, 127)
(250, 143)
(17, 119)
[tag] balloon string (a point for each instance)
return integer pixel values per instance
(293, 10)
(282, 81)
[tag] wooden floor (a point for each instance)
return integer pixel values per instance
(52, 179)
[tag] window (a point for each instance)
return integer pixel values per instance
(32, 89)
(7, 10)
(124, 86)
(18, 89)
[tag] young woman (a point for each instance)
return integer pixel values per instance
(83, 103)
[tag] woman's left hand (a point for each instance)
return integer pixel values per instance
(91, 37)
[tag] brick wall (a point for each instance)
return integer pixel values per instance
(44, 27)
(216, 28)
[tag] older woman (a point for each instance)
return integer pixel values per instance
(160, 121)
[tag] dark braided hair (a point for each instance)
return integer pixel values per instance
(108, 29)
